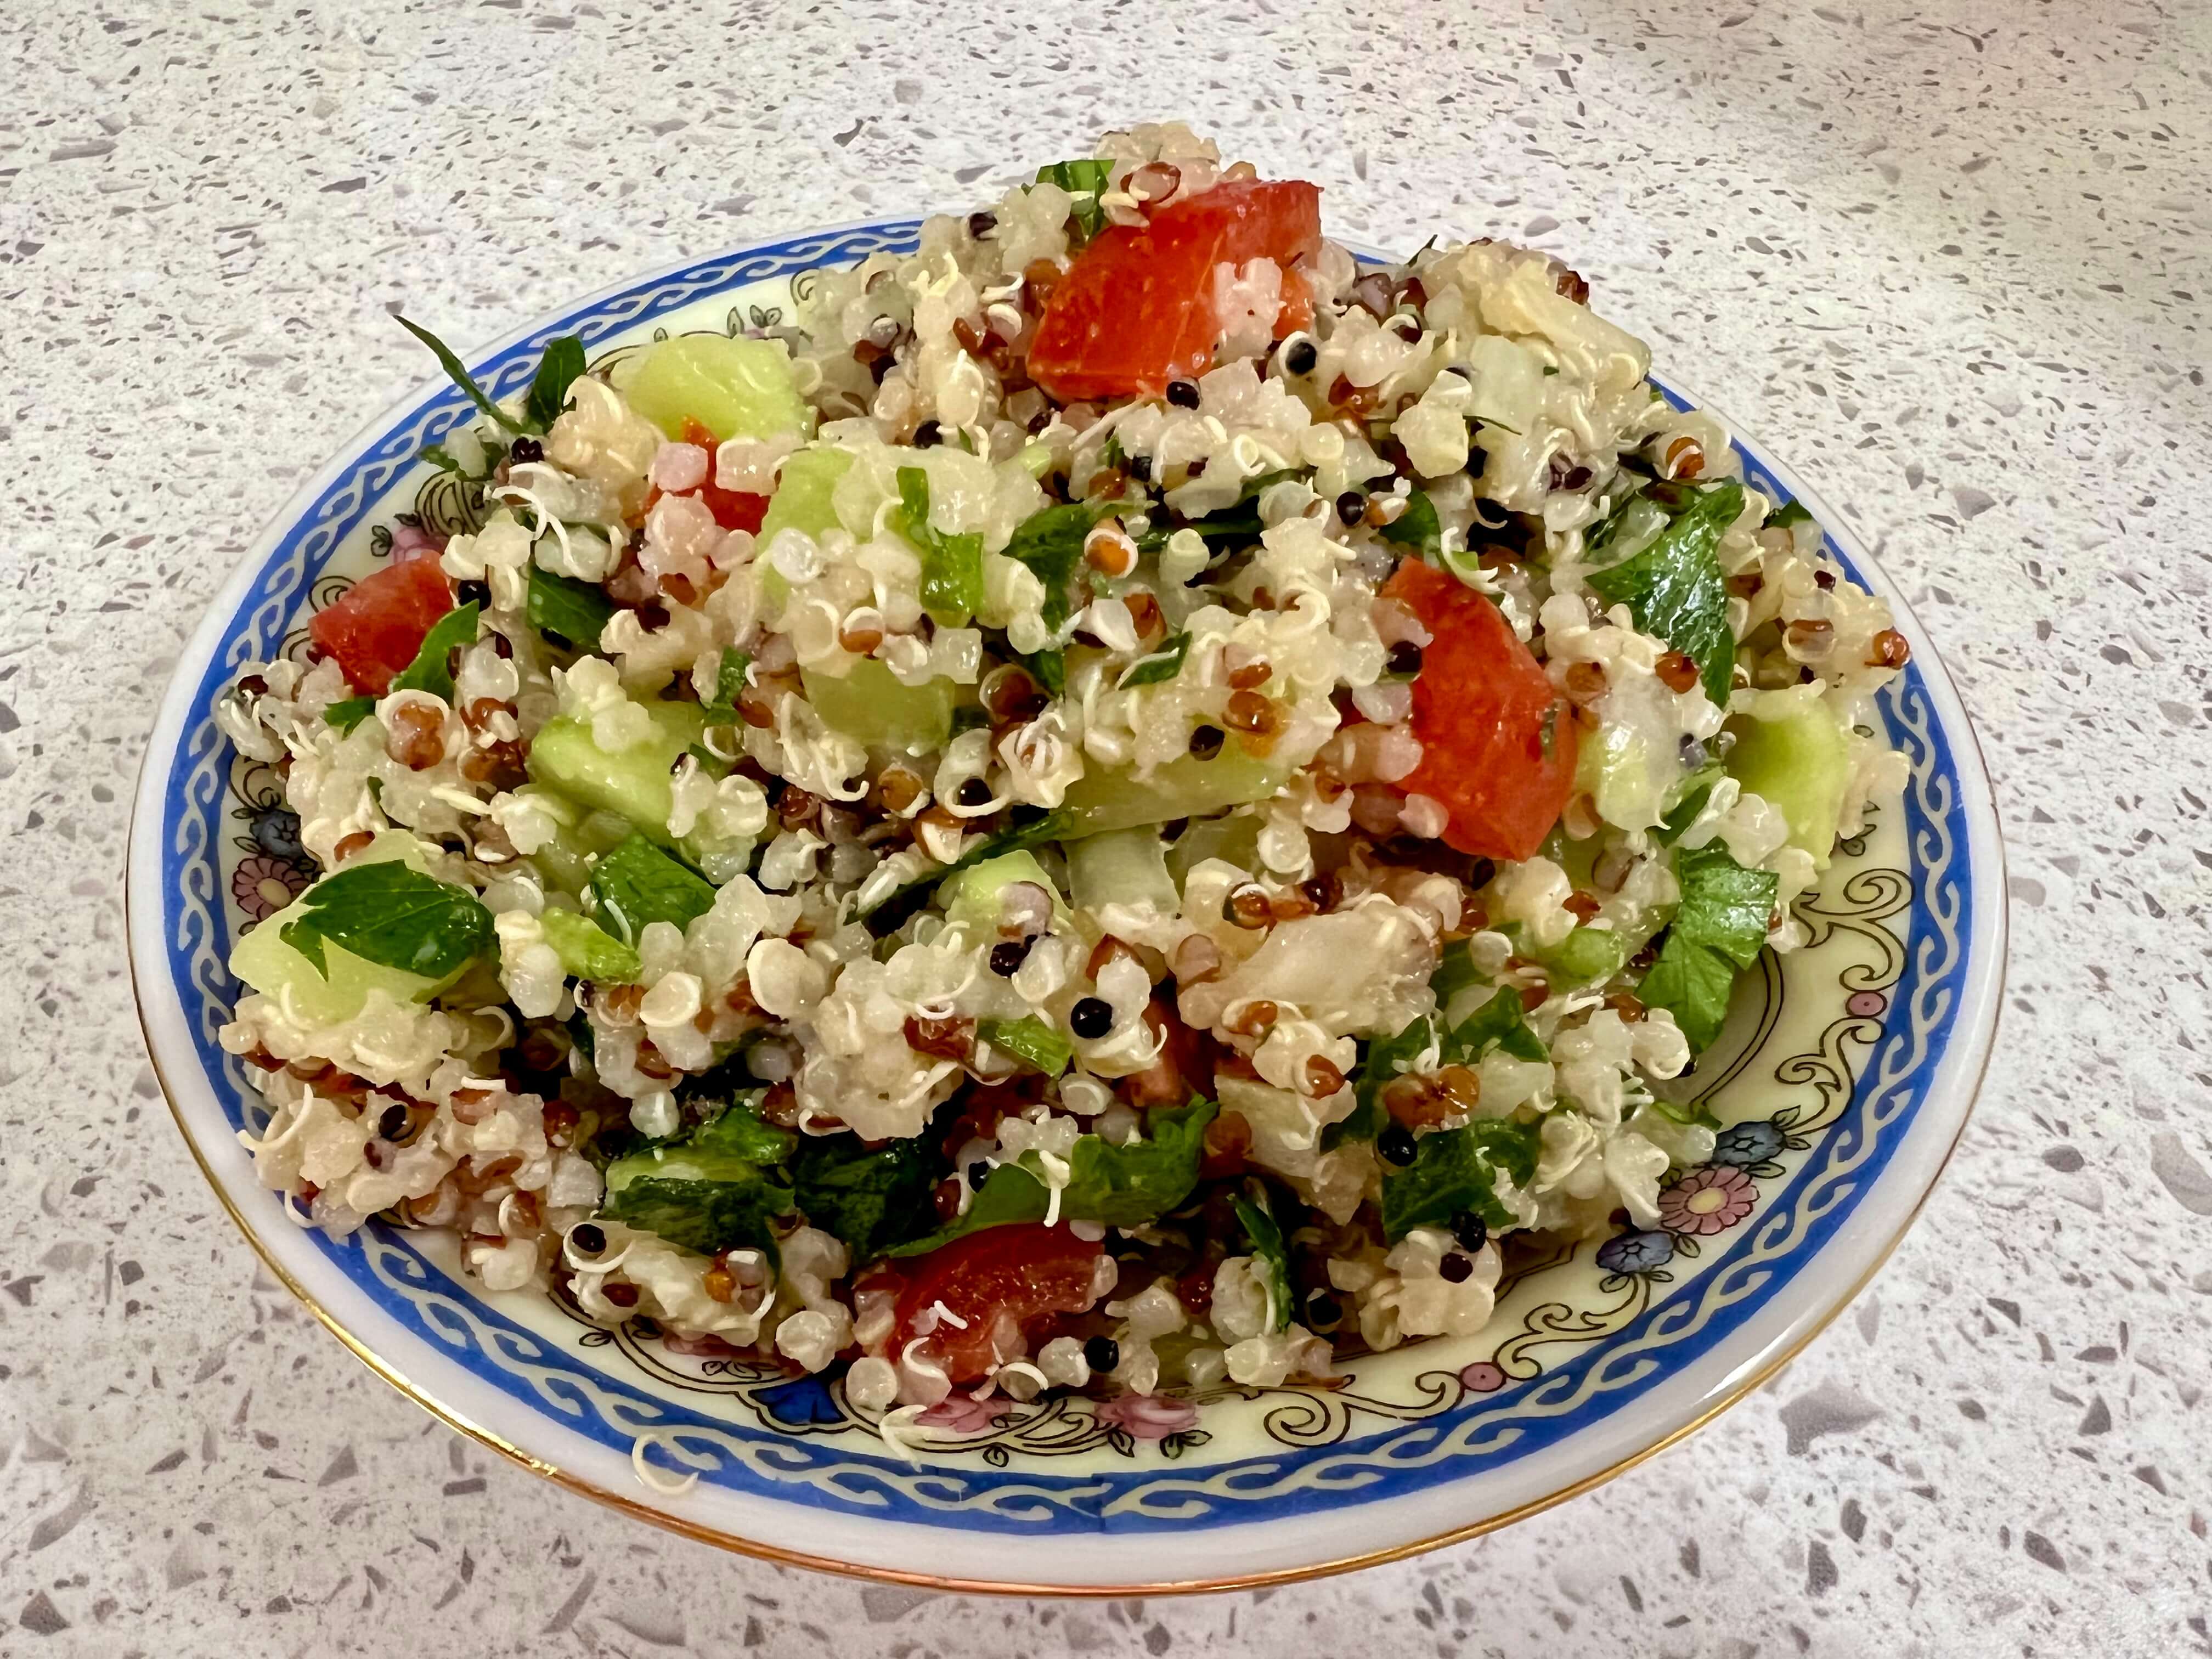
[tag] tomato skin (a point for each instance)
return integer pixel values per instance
(1023, 1273)
(734, 510)
(1482, 706)
(1136, 309)
(375, 627)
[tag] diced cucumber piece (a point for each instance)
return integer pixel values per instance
(875, 706)
(264, 962)
(580, 836)
(587, 950)
(633, 783)
(1584, 957)
(1186, 787)
(1127, 866)
(1234, 838)
(805, 493)
(734, 388)
(970, 897)
(1031, 1040)
(1799, 762)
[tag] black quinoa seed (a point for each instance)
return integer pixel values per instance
(928, 435)
(1301, 357)
(1471, 1230)
(1140, 468)
(476, 593)
(1351, 506)
(1578, 477)
(1322, 1310)
(978, 1173)
(1183, 394)
(1090, 1018)
(1007, 955)
(1824, 580)
(588, 1239)
(1405, 658)
(974, 793)
(1395, 1142)
(525, 449)
(391, 1122)
(1101, 1353)
(1457, 1268)
(981, 225)
(1206, 742)
(1692, 753)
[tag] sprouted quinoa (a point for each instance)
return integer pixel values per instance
(1109, 812)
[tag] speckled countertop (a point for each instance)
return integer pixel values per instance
(1949, 258)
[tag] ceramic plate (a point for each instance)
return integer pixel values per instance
(1844, 1077)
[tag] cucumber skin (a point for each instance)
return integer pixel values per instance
(1185, 787)
(875, 707)
(633, 783)
(1802, 766)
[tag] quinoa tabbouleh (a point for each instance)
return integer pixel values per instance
(1109, 811)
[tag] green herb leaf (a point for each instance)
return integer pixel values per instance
(588, 951)
(1416, 527)
(557, 371)
(438, 457)
(1718, 931)
(707, 1191)
(391, 913)
(1500, 1022)
(739, 1131)
(870, 1198)
(432, 669)
(350, 714)
(1695, 791)
(1241, 520)
(1675, 587)
(1381, 1060)
(458, 372)
(637, 883)
(1050, 543)
(1160, 666)
(1789, 513)
(1031, 1039)
(1456, 1169)
(890, 916)
(1083, 179)
(1585, 956)
(729, 686)
(1255, 1215)
(951, 565)
(577, 611)
(1116, 1186)
(1050, 668)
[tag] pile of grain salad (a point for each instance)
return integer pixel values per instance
(1110, 810)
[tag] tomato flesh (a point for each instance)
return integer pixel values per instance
(1002, 1280)
(1497, 746)
(734, 510)
(1136, 309)
(375, 627)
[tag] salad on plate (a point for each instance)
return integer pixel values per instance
(1112, 808)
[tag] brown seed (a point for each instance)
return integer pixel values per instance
(1254, 1018)
(1586, 683)
(1289, 907)
(650, 1063)
(1323, 890)
(1248, 906)
(359, 842)
(479, 714)
(1676, 672)
(862, 636)
(1249, 712)
(1144, 612)
(414, 736)
(718, 1283)
(1039, 278)
(1228, 1140)
(901, 787)
(1890, 650)
(1582, 906)
(1745, 586)
(756, 707)
(1811, 636)
(1107, 950)
(618, 1003)
(1196, 959)
(943, 1039)
(621, 1294)
(1460, 1085)
(1251, 676)
(1416, 1103)
(794, 807)
(1320, 1077)
(1533, 994)
(1685, 459)
(1108, 551)
(1627, 1004)
(780, 1105)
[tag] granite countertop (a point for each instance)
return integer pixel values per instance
(1948, 259)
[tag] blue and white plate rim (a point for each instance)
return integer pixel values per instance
(1265, 1518)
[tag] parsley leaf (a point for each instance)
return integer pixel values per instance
(1083, 181)
(458, 372)
(1160, 666)
(1456, 1169)
(1674, 588)
(1416, 527)
(573, 611)
(1123, 1186)
(1031, 1039)
(637, 883)
(1788, 514)
(350, 714)
(557, 371)
(951, 565)
(1382, 1060)
(391, 913)
(1696, 790)
(870, 1197)
(588, 951)
(1500, 1022)
(1717, 932)
(1050, 543)
(1050, 668)
(1257, 1218)
(729, 685)
(709, 1190)
(432, 671)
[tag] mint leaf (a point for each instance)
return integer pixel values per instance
(1696, 790)
(1380, 1060)
(1456, 1169)
(1416, 527)
(458, 372)
(1083, 181)
(1116, 1186)
(1050, 669)
(1500, 1022)
(1718, 931)
(432, 671)
(1788, 514)
(1255, 1215)
(729, 686)
(1050, 543)
(870, 1198)
(1674, 588)
(637, 883)
(1031, 1039)
(951, 565)
(391, 913)
(576, 611)
(1160, 666)
(556, 372)
(588, 951)
(350, 714)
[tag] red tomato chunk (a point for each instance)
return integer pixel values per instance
(1004, 1282)
(375, 627)
(1498, 744)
